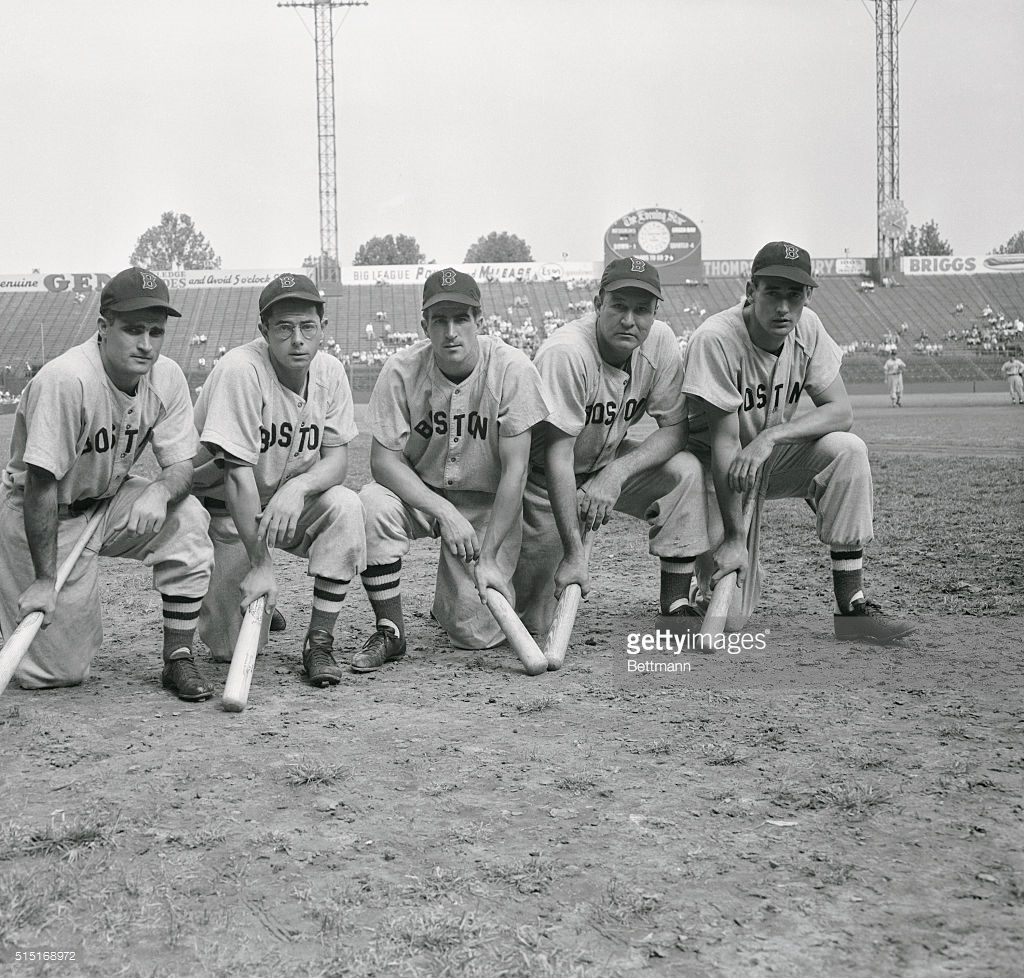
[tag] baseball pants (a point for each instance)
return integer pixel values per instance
(61, 654)
(895, 384)
(391, 526)
(832, 473)
(1016, 389)
(658, 496)
(329, 535)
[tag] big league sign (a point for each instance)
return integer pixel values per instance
(667, 239)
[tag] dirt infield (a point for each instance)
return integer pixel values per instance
(813, 809)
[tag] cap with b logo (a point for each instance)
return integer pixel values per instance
(631, 273)
(780, 259)
(290, 286)
(134, 289)
(450, 285)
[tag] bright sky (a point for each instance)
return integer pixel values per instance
(546, 118)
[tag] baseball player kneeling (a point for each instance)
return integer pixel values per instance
(82, 422)
(451, 418)
(745, 371)
(275, 418)
(602, 374)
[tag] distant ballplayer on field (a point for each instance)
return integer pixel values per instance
(1013, 371)
(893, 369)
(275, 419)
(745, 371)
(451, 418)
(82, 422)
(602, 374)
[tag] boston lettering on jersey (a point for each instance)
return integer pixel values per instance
(437, 423)
(603, 412)
(760, 396)
(284, 434)
(105, 439)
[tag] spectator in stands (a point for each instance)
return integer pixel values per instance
(370, 335)
(202, 338)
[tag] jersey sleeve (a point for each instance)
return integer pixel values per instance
(563, 372)
(707, 373)
(387, 414)
(667, 403)
(53, 407)
(521, 402)
(174, 435)
(340, 420)
(230, 410)
(823, 364)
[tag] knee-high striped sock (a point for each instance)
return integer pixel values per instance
(383, 588)
(181, 615)
(847, 576)
(676, 574)
(327, 598)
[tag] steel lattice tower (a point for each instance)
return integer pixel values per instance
(328, 269)
(891, 216)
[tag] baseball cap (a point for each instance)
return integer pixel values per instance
(290, 286)
(449, 285)
(631, 273)
(781, 259)
(136, 288)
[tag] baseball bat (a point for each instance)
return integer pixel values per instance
(17, 645)
(721, 598)
(517, 634)
(243, 658)
(559, 633)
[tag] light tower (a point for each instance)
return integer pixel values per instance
(891, 214)
(327, 265)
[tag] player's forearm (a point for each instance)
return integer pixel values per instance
(40, 514)
(815, 424)
(730, 504)
(656, 449)
(243, 502)
(394, 472)
(561, 481)
(176, 481)
(508, 503)
(328, 471)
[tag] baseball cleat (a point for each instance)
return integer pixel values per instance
(318, 659)
(278, 623)
(865, 622)
(685, 610)
(382, 647)
(183, 678)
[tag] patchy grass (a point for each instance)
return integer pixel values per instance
(624, 903)
(66, 837)
(577, 784)
(532, 875)
(539, 704)
(317, 772)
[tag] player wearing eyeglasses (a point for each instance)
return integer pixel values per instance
(275, 418)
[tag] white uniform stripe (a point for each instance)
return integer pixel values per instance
(848, 565)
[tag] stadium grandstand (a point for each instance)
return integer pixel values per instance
(954, 328)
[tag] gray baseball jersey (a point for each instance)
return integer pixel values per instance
(245, 413)
(74, 423)
(599, 403)
(449, 431)
(726, 369)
